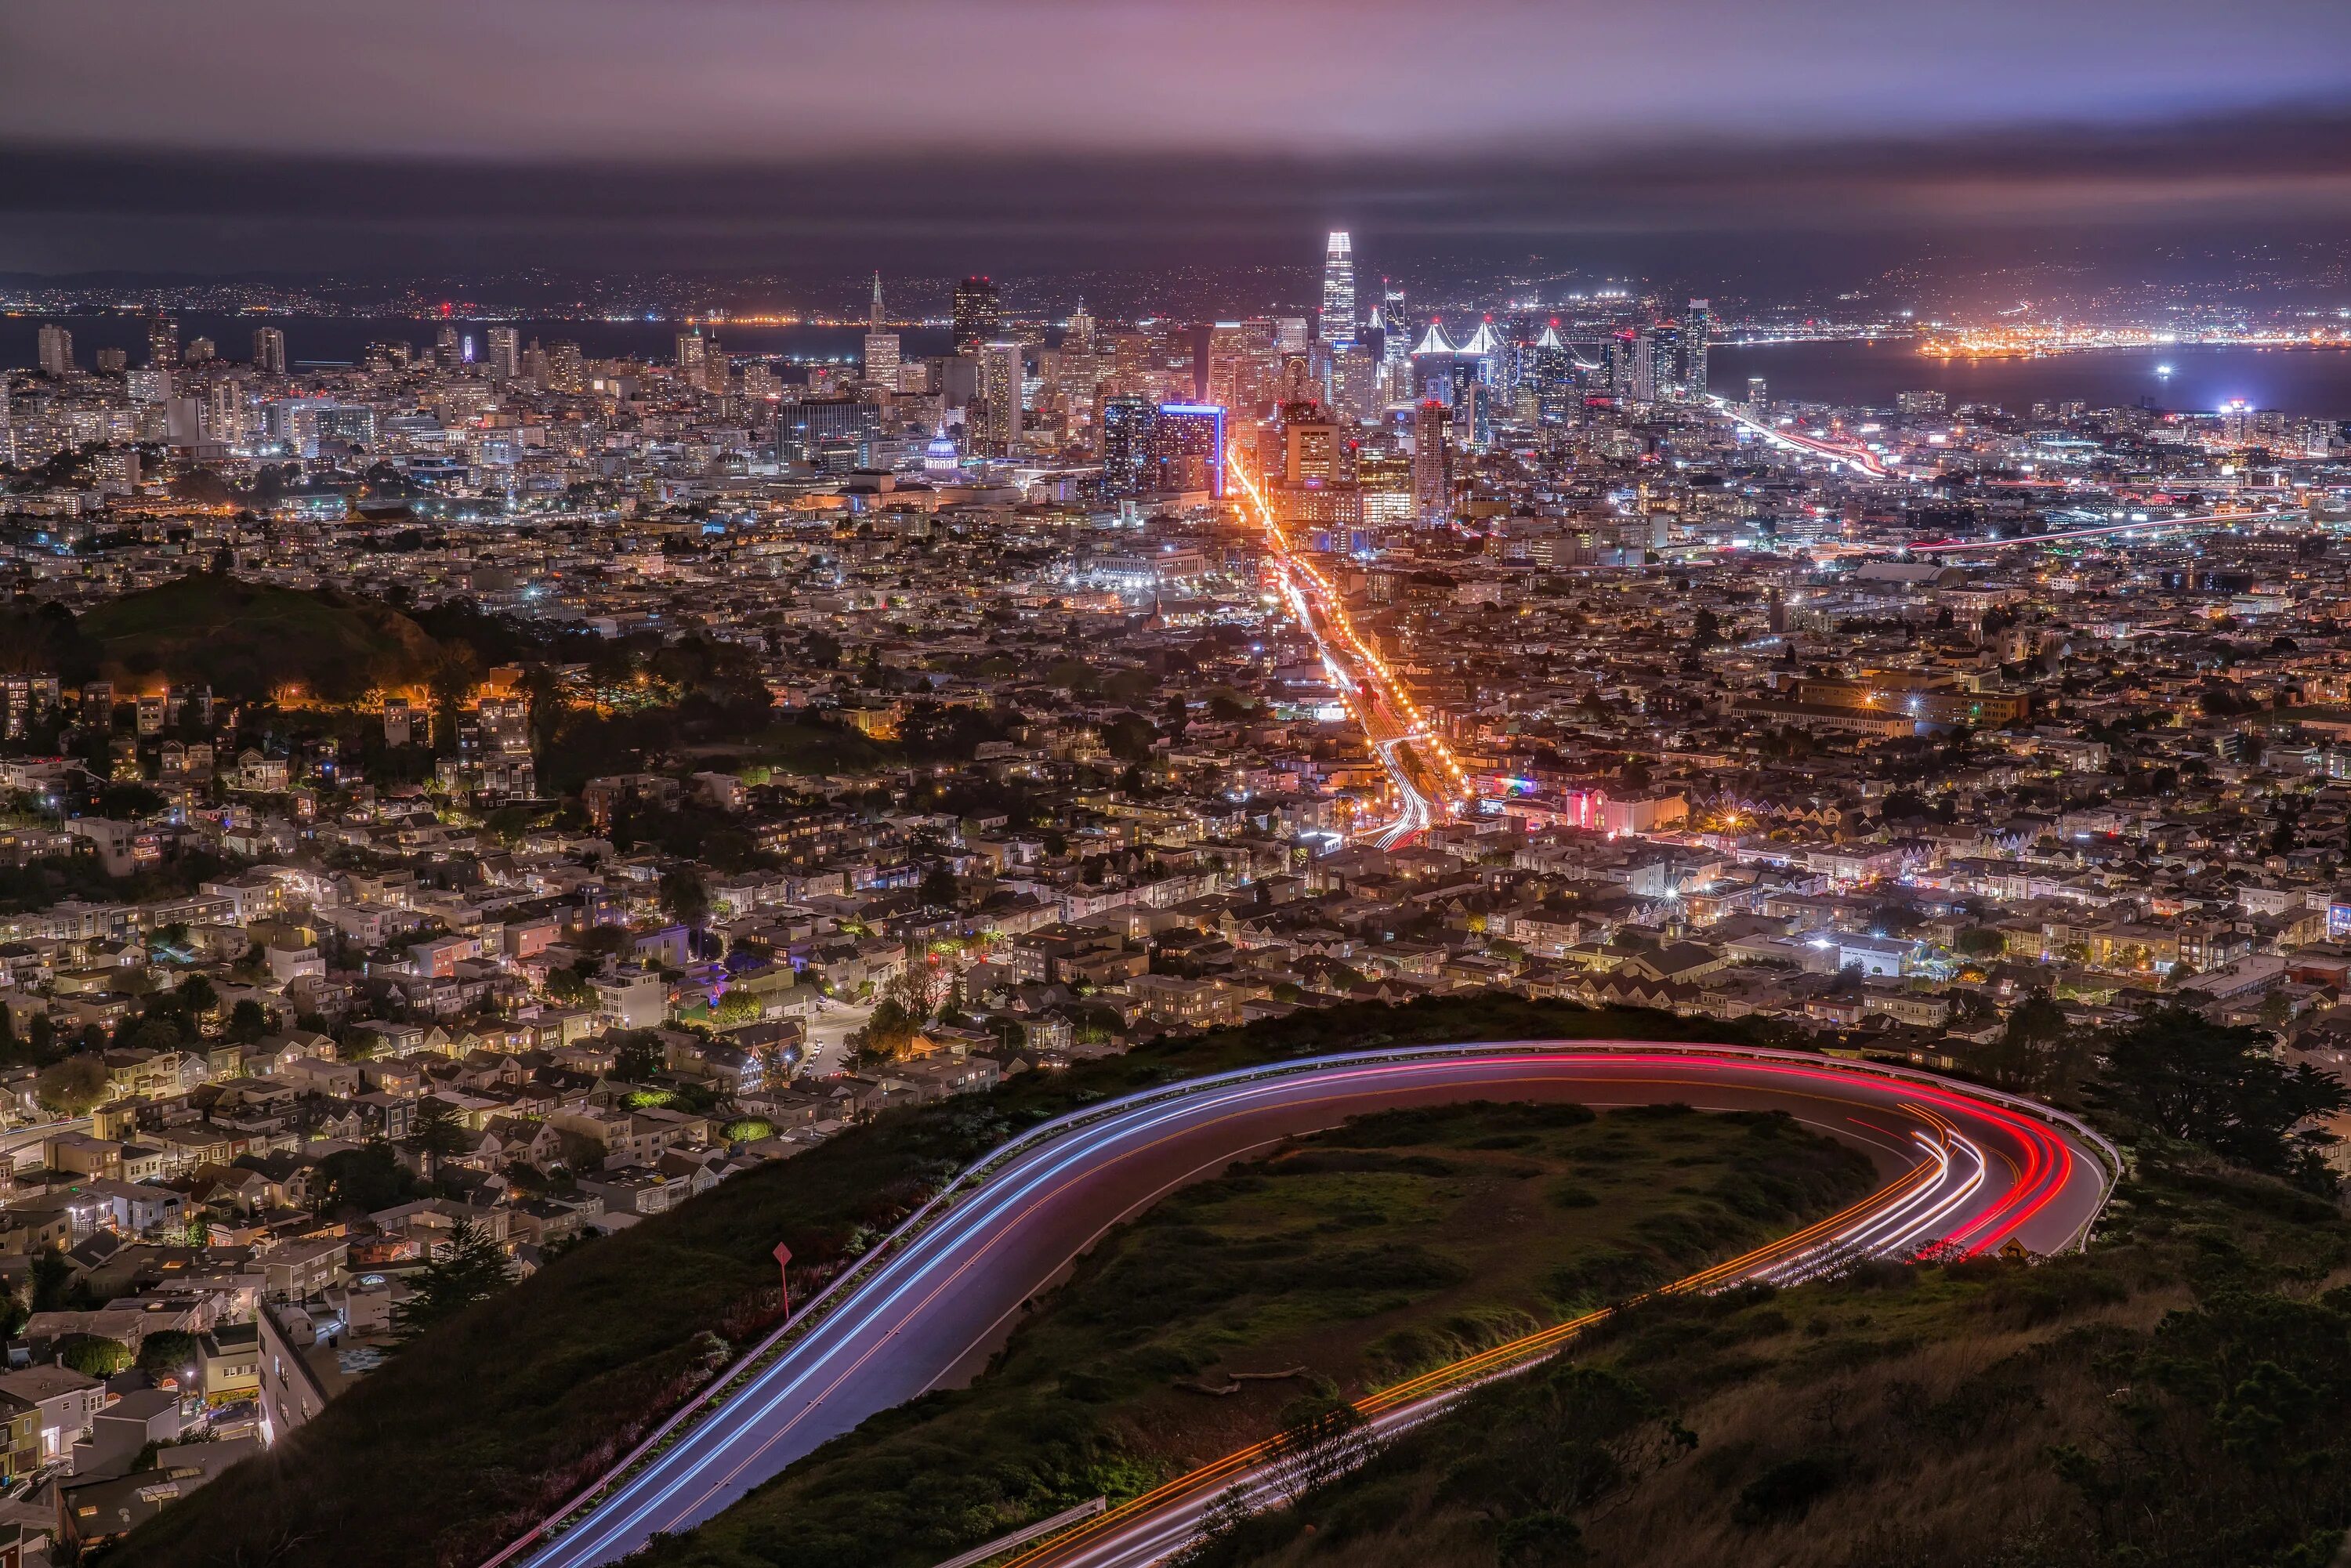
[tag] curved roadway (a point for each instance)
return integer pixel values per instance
(1967, 1171)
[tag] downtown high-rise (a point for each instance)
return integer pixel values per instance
(1338, 324)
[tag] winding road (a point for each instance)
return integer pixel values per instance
(1966, 1171)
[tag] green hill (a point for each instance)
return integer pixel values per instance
(247, 638)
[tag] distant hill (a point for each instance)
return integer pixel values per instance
(247, 638)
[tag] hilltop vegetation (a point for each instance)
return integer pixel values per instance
(246, 639)
(2170, 1398)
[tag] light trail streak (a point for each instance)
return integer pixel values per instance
(1392, 723)
(893, 1335)
(1902, 1219)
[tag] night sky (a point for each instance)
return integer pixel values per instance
(240, 134)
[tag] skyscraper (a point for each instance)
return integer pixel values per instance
(506, 353)
(1432, 470)
(269, 351)
(1187, 447)
(1554, 372)
(1126, 424)
(691, 349)
(1339, 290)
(880, 347)
(56, 352)
(162, 342)
(1697, 329)
(1399, 326)
(999, 392)
(978, 314)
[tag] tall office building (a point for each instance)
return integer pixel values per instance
(162, 342)
(1339, 290)
(1126, 424)
(1645, 357)
(881, 346)
(978, 314)
(56, 352)
(692, 354)
(1698, 328)
(1000, 394)
(1078, 337)
(1759, 393)
(1432, 469)
(506, 353)
(1399, 328)
(1187, 447)
(268, 350)
(1555, 373)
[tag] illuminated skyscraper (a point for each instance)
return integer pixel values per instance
(1555, 373)
(1339, 290)
(1000, 394)
(691, 353)
(978, 314)
(881, 346)
(1399, 325)
(269, 351)
(506, 353)
(1697, 329)
(1187, 447)
(1432, 469)
(56, 352)
(1126, 424)
(1662, 355)
(162, 342)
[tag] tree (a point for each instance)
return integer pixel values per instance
(71, 1087)
(1539, 1540)
(1322, 1438)
(436, 1132)
(197, 994)
(736, 1008)
(367, 1179)
(939, 886)
(53, 1280)
(247, 1022)
(2180, 1074)
(1707, 630)
(452, 687)
(168, 1352)
(471, 1269)
(94, 1356)
(1981, 942)
(2039, 1051)
(888, 1031)
(688, 898)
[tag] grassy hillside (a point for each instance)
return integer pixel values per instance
(247, 638)
(2170, 1399)
(506, 1410)
(1353, 1258)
